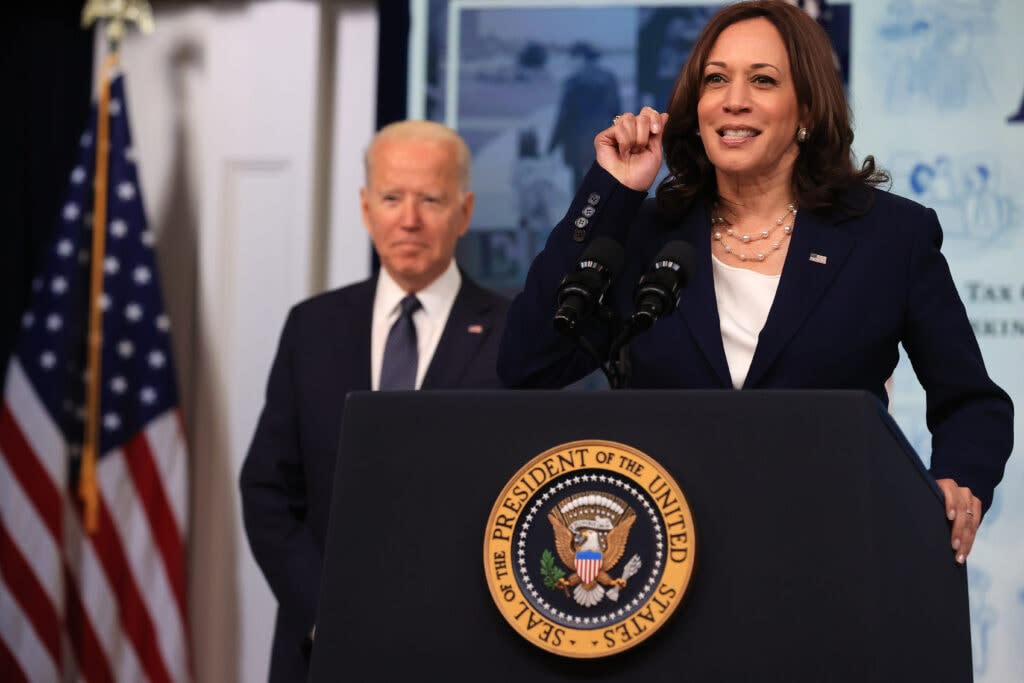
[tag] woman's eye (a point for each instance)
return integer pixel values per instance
(764, 80)
(712, 79)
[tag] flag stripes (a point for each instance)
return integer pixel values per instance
(103, 601)
(8, 666)
(157, 510)
(32, 599)
(92, 663)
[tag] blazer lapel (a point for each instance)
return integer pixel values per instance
(357, 320)
(816, 254)
(463, 335)
(698, 306)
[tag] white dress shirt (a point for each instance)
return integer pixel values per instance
(744, 299)
(435, 304)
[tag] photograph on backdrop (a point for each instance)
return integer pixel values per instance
(534, 85)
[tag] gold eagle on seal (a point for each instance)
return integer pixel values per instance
(591, 530)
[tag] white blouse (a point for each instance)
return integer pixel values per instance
(744, 299)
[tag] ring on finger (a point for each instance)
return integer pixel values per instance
(969, 513)
(616, 120)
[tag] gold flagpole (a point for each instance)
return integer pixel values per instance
(116, 13)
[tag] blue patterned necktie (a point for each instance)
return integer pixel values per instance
(398, 371)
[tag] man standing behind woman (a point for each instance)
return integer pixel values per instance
(758, 130)
(419, 324)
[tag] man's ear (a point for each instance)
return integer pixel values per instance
(364, 207)
(468, 202)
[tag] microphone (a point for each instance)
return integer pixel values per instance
(658, 292)
(580, 292)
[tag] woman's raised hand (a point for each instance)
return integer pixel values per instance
(630, 150)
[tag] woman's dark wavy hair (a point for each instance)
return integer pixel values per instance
(824, 169)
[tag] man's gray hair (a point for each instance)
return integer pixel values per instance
(424, 131)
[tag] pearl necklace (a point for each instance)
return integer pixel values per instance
(747, 238)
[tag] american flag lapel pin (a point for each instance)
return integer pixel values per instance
(818, 258)
(475, 328)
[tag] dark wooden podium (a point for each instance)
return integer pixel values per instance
(822, 555)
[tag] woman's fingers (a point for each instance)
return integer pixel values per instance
(630, 149)
(635, 132)
(963, 509)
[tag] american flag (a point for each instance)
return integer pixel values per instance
(108, 604)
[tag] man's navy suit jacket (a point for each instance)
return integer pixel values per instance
(286, 482)
(855, 284)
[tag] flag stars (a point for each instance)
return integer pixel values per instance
(142, 275)
(104, 301)
(126, 191)
(163, 323)
(58, 285)
(78, 175)
(28, 320)
(86, 139)
(147, 238)
(133, 312)
(111, 422)
(118, 385)
(111, 265)
(148, 395)
(125, 349)
(47, 360)
(115, 107)
(118, 228)
(71, 212)
(157, 359)
(65, 248)
(54, 322)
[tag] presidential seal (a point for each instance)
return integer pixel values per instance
(589, 549)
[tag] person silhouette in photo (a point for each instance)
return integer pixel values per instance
(590, 98)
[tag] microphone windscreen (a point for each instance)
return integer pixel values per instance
(680, 253)
(607, 252)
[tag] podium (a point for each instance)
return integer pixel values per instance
(822, 550)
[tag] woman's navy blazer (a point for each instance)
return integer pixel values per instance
(853, 288)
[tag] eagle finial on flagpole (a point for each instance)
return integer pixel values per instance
(117, 13)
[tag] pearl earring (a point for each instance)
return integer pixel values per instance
(802, 135)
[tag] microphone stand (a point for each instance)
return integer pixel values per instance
(619, 368)
(616, 370)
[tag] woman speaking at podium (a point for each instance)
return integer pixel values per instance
(805, 275)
